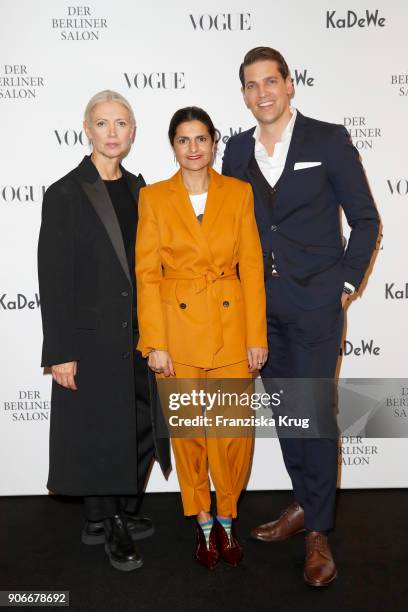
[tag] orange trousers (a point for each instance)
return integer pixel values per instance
(227, 459)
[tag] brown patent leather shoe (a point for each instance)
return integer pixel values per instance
(230, 549)
(207, 556)
(290, 522)
(320, 569)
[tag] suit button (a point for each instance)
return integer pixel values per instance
(225, 303)
(124, 324)
(274, 228)
(124, 294)
(183, 305)
(126, 355)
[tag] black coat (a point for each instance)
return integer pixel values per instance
(86, 293)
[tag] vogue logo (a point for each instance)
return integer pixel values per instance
(156, 80)
(23, 193)
(396, 294)
(364, 347)
(19, 302)
(71, 137)
(352, 20)
(221, 22)
(398, 186)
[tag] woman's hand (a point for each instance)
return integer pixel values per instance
(161, 363)
(64, 373)
(256, 358)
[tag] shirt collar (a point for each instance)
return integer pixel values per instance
(287, 132)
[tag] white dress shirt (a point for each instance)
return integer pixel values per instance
(272, 166)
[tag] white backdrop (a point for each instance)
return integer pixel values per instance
(349, 61)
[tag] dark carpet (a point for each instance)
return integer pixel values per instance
(40, 549)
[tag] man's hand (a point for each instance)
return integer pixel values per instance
(256, 358)
(64, 374)
(161, 363)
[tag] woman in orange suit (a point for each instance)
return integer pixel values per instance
(199, 319)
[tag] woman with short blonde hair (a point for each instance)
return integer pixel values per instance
(101, 440)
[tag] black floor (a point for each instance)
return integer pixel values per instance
(40, 549)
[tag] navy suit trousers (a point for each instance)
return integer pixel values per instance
(305, 344)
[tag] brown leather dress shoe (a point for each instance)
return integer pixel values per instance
(230, 549)
(291, 521)
(320, 569)
(208, 556)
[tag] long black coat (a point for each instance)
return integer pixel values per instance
(86, 293)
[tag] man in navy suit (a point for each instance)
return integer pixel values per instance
(302, 171)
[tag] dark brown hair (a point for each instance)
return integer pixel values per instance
(190, 113)
(259, 54)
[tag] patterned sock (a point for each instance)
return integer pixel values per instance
(206, 527)
(226, 522)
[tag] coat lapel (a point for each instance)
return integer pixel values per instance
(135, 183)
(214, 201)
(182, 205)
(97, 194)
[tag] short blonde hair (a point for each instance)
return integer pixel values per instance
(107, 95)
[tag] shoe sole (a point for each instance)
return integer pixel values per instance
(260, 539)
(230, 564)
(92, 540)
(319, 584)
(95, 540)
(127, 566)
(205, 565)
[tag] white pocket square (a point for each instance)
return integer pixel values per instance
(303, 165)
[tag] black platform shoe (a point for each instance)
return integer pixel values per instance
(119, 546)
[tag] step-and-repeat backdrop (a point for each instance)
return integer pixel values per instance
(349, 64)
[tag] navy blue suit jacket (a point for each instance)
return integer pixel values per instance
(303, 227)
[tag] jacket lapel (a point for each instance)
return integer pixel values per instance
(97, 194)
(182, 205)
(244, 171)
(214, 201)
(298, 136)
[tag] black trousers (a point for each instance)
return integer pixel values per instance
(305, 344)
(100, 507)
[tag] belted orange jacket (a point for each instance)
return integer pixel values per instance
(200, 287)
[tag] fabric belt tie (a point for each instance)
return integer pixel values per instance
(207, 282)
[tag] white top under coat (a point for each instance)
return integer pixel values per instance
(198, 202)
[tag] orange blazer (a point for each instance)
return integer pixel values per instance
(190, 300)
